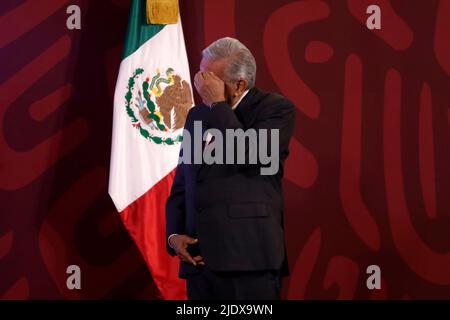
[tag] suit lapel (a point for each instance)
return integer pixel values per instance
(246, 110)
(246, 113)
(202, 117)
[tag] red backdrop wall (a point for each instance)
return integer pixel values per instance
(368, 181)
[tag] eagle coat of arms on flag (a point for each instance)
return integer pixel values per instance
(158, 106)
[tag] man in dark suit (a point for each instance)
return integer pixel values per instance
(225, 221)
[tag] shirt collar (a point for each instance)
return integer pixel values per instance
(240, 99)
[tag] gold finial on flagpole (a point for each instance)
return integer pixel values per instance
(162, 11)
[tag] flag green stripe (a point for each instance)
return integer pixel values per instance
(139, 31)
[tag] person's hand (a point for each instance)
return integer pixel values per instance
(179, 243)
(210, 87)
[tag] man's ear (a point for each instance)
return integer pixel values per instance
(242, 86)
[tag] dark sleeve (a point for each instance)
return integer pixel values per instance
(279, 114)
(175, 205)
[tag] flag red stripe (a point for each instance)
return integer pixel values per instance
(145, 220)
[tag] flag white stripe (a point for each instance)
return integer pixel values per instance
(137, 164)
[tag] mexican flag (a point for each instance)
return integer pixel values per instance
(152, 98)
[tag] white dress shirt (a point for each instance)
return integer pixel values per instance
(240, 99)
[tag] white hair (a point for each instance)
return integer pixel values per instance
(242, 62)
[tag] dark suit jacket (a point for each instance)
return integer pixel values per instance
(235, 212)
